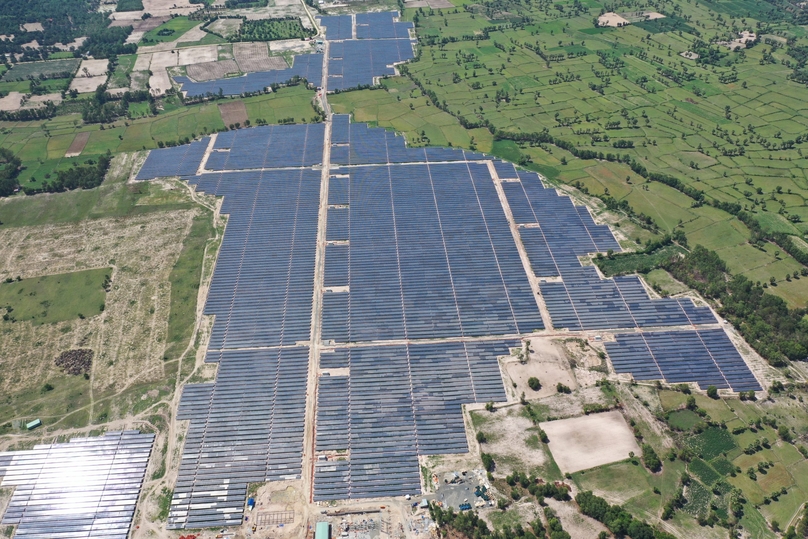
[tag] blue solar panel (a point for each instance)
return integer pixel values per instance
(706, 357)
(385, 420)
(357, 62)
(306, 66)
(337, 26)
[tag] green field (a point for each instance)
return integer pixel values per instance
(119, 78)
(168, 31)
(591, 87)
(42, 145)
(55, 298)
(23, 71)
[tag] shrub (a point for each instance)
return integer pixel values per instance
(533, 383)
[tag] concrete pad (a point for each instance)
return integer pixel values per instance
(588, 441)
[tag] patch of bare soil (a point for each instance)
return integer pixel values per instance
(78, 144)
(507, 431)
(577, 525)
(547, 361)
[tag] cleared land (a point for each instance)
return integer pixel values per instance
(78, 144)
(233, 112)
(213, 70)
(580, 443)
(255, 57)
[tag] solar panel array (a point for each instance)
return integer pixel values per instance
(418, 247)
(557, 233)
(704, 356)
(430, 254)
(264, 278)
(305, 66)
(358, 144)
(271, 146)
(247, 427)
(381, 26)
(337, 27)
(86, 488)
(380, 43)
(398, 402)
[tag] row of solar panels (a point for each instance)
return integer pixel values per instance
(356, 63)
(87, 487)
(707, 357)
(368, 26)
(306, 66)
(246, 427)
(397, 403)
(430, 254)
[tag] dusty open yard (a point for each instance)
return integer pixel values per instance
(612, 19)
(507, 432)
(548, 362)
(16, 101)
(580, 443)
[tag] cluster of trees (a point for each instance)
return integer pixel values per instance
(9, 170)
(62, 21)
(272, 29)
(618, 520)
(84, 177)
(104, 108)
(765, 321)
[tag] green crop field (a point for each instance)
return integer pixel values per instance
(24, 71)
(730, 127)
(119, 78)
(168, 31)
(54, 298)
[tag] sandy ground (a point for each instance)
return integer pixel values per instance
(16, 101)
(580, 443)
(291, 45)
(159, 82)
(612, 19)
(157, 8)
(689, 55)
(548, 362)
(32, 27)
(78, 144)
(87, 84)
(434, 4)
(255, 57)
(507, 433)
(225, 27)
(94, 68)
(33, 44)
(75, 44)
(142, 62)
(574, 523)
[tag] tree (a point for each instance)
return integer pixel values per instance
(488, 462)
(712, 392)
(561, 388)
(481, 438)
(651, 459)
(533, 383)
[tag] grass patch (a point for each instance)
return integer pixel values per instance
(170, 30)
(185, 277)
(712, 442)
(55, 298)
(683, 419)
(723, 466)
(698, 499)
(49, 69)
(129, 5)
(163, 504)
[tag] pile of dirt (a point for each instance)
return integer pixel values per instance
(76, 361)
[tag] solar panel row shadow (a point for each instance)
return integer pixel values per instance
(306, 66)
(245, 427)
(557, 233)
(397, 403)
(430, 254)
(706, 357)
(87, 487)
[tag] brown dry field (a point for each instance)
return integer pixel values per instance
(548, 362)
(78, 144)
(255, 57)
(212, 70)
(580, 443)
(233, 112)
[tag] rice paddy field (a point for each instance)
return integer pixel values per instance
(728, 128)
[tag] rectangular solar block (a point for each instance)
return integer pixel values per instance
(706, 357)
(88, 487)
